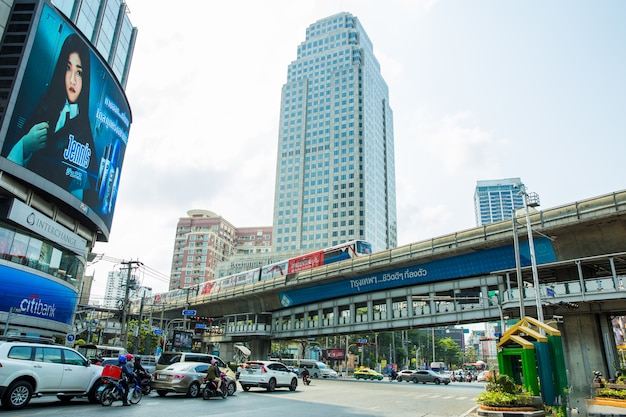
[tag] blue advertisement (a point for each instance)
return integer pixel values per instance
(41, 298)
(70, 122)
(467, 265)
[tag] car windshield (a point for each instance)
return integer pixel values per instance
(322, 366)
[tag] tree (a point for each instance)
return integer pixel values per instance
(148, 341)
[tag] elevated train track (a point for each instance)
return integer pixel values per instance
(578, 231)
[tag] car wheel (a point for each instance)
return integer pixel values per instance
(437, 381)
(161, 393)
(193, 390)
(94, 393)
(231, 388)
(246, 388)
(446, 383)
(293, 385)
(17, 395)
(271, 385)
(414, 380)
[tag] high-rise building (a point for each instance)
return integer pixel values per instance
(55, 207)
(114, 291)
(204, 239)
(496, 200)
(335, 173)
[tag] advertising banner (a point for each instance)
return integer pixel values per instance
(70, 122)
(467, 265)
(41, 298)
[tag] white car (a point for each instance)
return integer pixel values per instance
(32, 369)
(267, 374)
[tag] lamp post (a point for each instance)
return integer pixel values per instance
(417, 352)
(518, 267)
(532, 200)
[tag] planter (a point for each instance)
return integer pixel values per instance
(615, 386)
(611, 402)
(509, 411)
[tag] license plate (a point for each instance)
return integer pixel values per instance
(161, 376)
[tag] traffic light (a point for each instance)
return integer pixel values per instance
(201, 319)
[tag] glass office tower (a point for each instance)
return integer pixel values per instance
(107, 25)
(496, 200)
(335, 174)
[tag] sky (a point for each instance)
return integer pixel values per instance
(480, 90)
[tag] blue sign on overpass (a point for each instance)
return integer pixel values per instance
(466, 265)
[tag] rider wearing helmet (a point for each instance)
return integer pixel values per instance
(213, 374)
(122, 362)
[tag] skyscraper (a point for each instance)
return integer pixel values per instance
(495, 200)
(108, 27)
(335, 173)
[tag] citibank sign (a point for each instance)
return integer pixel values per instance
(37, 222)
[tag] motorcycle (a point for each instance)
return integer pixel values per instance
(209, 388)
(145, 382)
(393, 376)
(306, 379)
(112, 390)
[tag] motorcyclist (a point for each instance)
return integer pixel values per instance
(305, 374)
(394, 374)
(213, 374)
(127, 375)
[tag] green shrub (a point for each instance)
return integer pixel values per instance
(619, 394)
(502, 390)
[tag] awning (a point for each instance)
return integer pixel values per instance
(243, 350)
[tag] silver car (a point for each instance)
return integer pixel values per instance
(267, 374)
(428, 375)
(180, 378)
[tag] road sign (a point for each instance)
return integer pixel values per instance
(189, 312)
(200, 326)
(70, 337)
(157, 331)
(362, 341)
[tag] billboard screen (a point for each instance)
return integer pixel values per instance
(182, 340)
(67, 130)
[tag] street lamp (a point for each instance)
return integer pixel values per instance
(532, 200)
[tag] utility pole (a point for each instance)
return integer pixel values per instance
(131, 265)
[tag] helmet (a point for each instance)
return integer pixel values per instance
(129, 357)
(122, 359)
(213, 361)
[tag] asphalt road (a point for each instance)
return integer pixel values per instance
(321, 398)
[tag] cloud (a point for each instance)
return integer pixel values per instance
(446, 153)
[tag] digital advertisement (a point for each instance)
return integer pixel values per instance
(70, 122)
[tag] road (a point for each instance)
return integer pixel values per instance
(322, 398)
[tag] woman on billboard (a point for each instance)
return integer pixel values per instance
(59, 144)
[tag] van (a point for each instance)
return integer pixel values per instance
(168, 358)
(317, 369)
